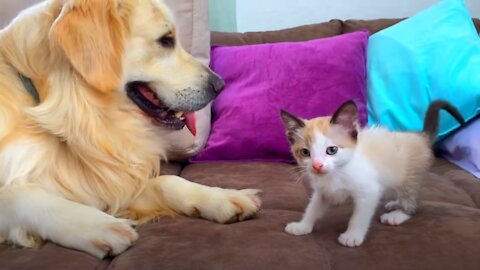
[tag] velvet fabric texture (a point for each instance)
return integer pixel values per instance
(299, 33)
(308, 79)
(443, 235)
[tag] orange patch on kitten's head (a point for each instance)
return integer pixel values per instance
(339, 136)
(341, 128)
(321, 124)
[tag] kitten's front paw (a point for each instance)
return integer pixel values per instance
(298, 228)
(394, 218)
(349, 239)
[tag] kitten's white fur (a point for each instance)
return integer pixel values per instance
(344, 161)
(357, 180)
(352, 173)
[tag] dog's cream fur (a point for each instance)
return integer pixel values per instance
(82, 166)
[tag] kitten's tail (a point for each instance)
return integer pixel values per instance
(431, 120)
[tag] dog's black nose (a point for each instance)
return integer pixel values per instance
(216, 83)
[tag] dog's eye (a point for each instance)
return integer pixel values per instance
(167, 41)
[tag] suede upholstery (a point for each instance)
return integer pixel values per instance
(301, 33)
(445, 234)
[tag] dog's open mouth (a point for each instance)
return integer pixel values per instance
(161, 115)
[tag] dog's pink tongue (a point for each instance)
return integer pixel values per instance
(191, 122)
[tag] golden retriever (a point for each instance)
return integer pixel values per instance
(81, 166)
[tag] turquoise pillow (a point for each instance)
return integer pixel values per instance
(433, 55)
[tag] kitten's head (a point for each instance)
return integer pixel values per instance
(323, 144)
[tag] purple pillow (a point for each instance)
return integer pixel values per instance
(463, 148)
(308, 79)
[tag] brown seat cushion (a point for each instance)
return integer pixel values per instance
(171, 168)
(301, 33)
(48, 257)
(445, 234)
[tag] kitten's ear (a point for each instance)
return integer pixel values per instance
(292, 125)
(346, 117)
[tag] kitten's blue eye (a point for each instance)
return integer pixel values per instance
(332, 150)
(305, 152)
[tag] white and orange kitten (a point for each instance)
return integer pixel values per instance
(344, 161)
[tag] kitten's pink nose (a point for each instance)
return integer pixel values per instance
(317, 166)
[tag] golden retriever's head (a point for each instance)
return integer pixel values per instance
(132, 46)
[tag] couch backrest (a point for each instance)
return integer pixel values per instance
(306, 32)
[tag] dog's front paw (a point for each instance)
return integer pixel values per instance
(298, 228)
(242, 204)
(97, 233)
(245, 202)
(228, 205)
(351, 239)
(111, 238)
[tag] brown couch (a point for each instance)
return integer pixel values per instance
(444, 235)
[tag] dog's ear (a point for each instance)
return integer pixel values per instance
(91, 34)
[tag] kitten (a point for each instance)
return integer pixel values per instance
(344, 161)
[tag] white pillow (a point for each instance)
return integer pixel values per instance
(191, 17)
